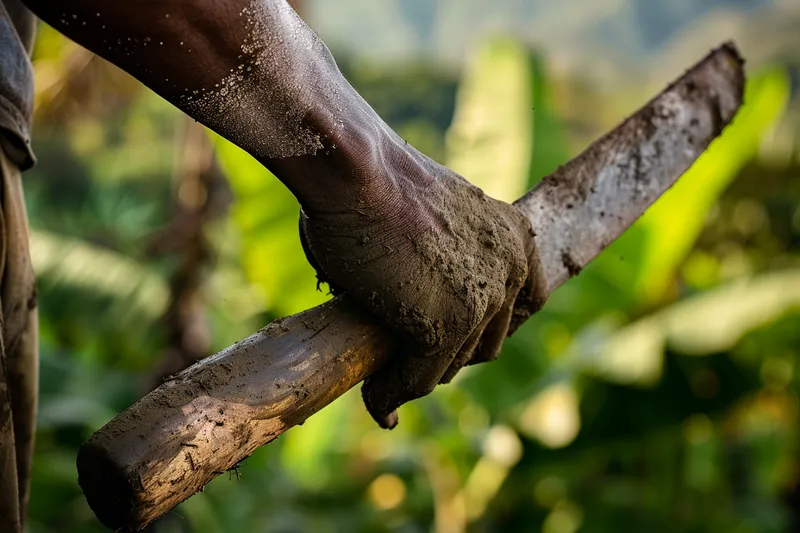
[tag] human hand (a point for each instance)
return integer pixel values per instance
(442, 264)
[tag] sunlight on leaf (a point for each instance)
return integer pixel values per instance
(567, 517)
(491, 139)
(85, 265)
(502, 450)
(716, 321)
(505, 135)
(306, 447)
(386, 492)
(617, 351)
(673, 224)
(267, 216)
(712, 322)
(552, 416)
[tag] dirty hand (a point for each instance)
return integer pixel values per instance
(448, 268)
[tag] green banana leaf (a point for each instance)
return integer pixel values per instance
(652, 250)
(505, 137)
(711, 322)
(267, 214)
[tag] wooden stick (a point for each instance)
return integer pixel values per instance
(206, 419)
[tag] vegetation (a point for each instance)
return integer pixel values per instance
(657, 391)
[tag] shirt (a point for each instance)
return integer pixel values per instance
(16, 82)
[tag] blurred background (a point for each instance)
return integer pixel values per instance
(657, 391)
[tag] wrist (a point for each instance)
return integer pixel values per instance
(361, 162)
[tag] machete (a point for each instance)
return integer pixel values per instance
(206, 419)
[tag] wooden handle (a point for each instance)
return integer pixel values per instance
(172, 442)
(206, 419)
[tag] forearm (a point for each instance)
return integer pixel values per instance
(251, 70)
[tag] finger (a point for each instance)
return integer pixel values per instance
(491, 341)
(533, 295)
(378, 399)
(466, 352)
(405, 380)
(321, 276)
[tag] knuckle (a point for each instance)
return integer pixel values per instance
(494, 305)
(415, 384)
(423, 389)
(489, 356)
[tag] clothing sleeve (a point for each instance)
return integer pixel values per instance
(16, 84)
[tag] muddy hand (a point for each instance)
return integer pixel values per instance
(438, 261)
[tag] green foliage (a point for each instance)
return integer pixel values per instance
(491, 138)
(600, 414)
(276, 265)
(662, 243)
(505, 137)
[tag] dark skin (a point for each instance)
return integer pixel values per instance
(403, 236)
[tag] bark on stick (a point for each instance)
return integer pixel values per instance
(172, 442)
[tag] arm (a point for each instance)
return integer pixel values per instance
(252, 71)
(404, 237)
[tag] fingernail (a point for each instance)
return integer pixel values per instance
(390, 420)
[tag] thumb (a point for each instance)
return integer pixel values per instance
(321, 276)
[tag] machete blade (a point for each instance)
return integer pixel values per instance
(588, 203)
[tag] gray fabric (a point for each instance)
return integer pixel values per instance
(18, 320)
(23, 20)
(16, 82)
(18, 351)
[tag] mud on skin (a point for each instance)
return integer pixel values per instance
(440, 262)
(443, 264)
